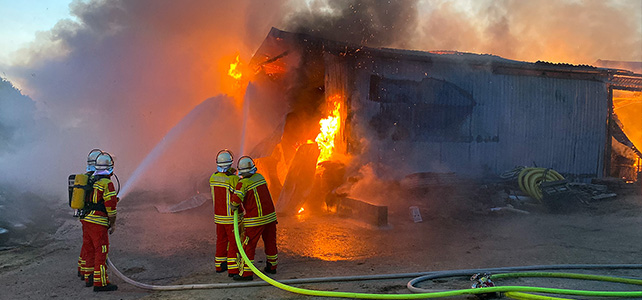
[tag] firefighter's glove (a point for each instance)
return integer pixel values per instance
(234, 207)
(112, 224)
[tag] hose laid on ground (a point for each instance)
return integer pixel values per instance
(303, 280)
(524, 296)
(439, 294)
(529, 180)
(466, 272)
(269, 281)
(521, 295)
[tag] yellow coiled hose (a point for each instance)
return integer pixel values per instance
(529, 180)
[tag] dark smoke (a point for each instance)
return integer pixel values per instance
(367, 22)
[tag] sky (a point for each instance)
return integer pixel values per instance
(20, 20)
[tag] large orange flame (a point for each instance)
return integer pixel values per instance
(329, 129)
(627, 105)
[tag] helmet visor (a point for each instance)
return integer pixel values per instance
(107, 171)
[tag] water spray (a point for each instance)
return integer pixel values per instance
(161, 146)
(246, 114)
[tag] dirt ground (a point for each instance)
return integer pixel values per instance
(178, 249)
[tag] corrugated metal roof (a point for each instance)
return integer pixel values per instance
(626, 81)
(620, 77)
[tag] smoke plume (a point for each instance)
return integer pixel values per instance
(123, 73)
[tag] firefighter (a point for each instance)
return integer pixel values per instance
(83, 271)
(260, 217)
(100, 220)
(222, 184)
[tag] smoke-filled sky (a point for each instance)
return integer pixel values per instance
(119, 75)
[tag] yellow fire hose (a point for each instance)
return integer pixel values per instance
(514, 291)
(529, 180)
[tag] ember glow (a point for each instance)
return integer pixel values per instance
(329, 129)
(301, 210)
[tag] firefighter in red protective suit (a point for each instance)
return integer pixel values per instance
(100, 220)
(83, 271)
(222, 184)
(260, 217)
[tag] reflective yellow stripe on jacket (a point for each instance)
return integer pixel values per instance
(255, 198)
(258, 221)
(105, 193)
(226, 182)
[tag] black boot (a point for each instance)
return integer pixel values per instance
(268, 269)
(89, 282)
(238, 277)
(231, 275)
(107, 288)
(80, 275)
(223, 267)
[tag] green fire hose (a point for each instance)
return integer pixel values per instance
(512, 291)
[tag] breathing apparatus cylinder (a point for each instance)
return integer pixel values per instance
(78, 195)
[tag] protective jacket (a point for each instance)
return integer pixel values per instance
(253, 193)
(222, 186)
(102, 203)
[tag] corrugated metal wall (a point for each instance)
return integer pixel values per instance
(515, 120)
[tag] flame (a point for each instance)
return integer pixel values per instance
(329, 129)
(235, 70)
(627, 105)
(301, 210)
(235, 77)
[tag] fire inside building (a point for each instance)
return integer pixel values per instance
(410, 112)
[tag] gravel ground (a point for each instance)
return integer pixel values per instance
(164, 249)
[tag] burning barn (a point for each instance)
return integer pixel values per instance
(411, 112)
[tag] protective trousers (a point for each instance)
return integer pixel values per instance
(226, 249)
(266, 232)
(82, 263)
(96, 243)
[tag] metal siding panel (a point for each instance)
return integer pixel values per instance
(558, 123)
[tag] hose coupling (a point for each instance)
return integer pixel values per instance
(482, 280)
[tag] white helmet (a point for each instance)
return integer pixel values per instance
(104, 164)
(224, 160)
(246, 166)
(91, 159)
